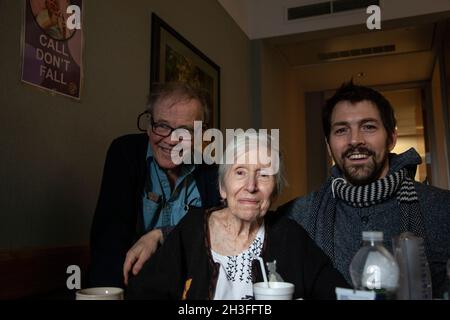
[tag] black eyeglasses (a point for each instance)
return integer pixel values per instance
(162, 129)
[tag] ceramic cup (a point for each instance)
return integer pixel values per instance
(100, 293)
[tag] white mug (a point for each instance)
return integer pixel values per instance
(100, 293)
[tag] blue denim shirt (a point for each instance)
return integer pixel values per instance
(172, 204)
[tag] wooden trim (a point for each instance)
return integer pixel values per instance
(38, 271)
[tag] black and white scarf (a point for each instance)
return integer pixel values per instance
(398, 183)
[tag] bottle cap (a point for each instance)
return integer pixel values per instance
(407, 236)
(372, 235)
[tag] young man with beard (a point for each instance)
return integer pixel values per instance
(371, 188)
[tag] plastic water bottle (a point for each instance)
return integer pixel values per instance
(374, 268)
(273, 274)
(415, 276)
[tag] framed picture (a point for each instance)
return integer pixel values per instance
(174, 59)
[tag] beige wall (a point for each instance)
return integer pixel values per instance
(447, 66)
(282, 107)
(407, 106)
(53, 148)
(417, 142)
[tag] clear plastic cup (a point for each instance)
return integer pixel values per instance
(415, 276)
(448, 275)
(448, 269)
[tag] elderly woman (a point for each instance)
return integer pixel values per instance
(213, 254)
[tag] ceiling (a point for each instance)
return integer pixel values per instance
(405, 40)
(411, 37)
(262, 19)
(374, 71)
(411, 60)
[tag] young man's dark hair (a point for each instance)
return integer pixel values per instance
(354, 93)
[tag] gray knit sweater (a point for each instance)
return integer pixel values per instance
(351, 221)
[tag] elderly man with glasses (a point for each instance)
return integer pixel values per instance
(144, 194)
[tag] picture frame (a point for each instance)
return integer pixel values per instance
(175, 59)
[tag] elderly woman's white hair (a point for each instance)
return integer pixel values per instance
(243, 142)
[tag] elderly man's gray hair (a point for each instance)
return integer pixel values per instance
(178, 91)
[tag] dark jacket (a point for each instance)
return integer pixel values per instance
(118, 219)
(350, 222)
(186, 254)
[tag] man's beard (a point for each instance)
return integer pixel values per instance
(365, 173)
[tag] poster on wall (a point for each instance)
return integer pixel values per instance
(52, 46)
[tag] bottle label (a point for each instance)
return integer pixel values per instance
(349, 294)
